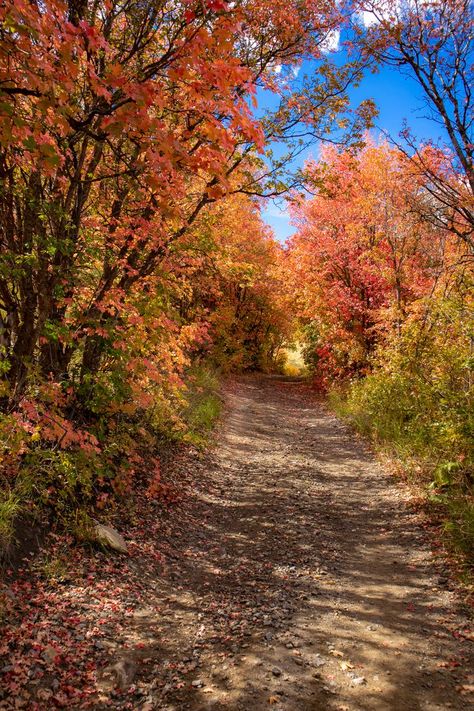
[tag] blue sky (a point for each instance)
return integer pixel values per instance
(398, 99)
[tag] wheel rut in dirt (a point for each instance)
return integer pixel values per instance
(300, 578)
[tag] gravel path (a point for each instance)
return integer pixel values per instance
(301, 580)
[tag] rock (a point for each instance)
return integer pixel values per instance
(197, 683)
(276, 671)
(110, 538)
(358, 680)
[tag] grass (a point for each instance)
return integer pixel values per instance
(429, 437)
(203, 405)
(10, 507)
(53, 568)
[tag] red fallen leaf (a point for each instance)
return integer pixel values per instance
(61, 699)
(44, 694)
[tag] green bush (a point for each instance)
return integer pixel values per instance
(10, 507)
(202, 406)
(418, 404)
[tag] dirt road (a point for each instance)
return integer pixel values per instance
(301, 579)
(290, 575)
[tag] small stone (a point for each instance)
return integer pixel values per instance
(197, 683)
(110, 538)
(358, 681)
(276, 671)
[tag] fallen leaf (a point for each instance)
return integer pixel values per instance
(466, 689)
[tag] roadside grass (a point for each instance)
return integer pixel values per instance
(10, 507)
(202, 406)
(430, 441)
(68, 486)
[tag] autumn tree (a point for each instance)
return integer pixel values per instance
(247, 315)
(432, 41)
(120, 123)
(360, 255)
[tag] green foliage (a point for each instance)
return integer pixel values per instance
(460, 526)
(72, 485)
(311, 343)
(418, 403)
(52, 567)
(10, 507)
(58, 480)
(202, 405)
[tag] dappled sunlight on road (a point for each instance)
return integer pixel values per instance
(301, 580)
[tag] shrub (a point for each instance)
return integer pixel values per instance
(418, 403)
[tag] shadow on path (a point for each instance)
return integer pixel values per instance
(300, 579)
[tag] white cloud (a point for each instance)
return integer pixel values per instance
(391, 10)
(291, 71)
(382, 10)
(278, 211)
(331, 42)
(368, 18)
